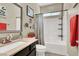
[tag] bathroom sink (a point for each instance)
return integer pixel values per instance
(27, 39)
(10, 46)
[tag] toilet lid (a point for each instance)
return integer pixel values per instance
(40, 46)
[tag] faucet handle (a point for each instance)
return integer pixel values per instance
(9, 36)
(3, 41)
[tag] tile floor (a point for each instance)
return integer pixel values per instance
(52, 54)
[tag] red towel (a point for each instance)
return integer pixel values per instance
(74, 30)
(3, 26)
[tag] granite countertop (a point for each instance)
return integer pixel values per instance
(13, 51)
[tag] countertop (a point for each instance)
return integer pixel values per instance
(28, 41)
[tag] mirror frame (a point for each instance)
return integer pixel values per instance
(15, 31)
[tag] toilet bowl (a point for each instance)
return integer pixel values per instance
(40, 50)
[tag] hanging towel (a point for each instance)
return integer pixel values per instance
(74, 30)
(3, 26)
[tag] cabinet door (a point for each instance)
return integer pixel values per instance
(33, 52)
(23, 52)
(28, 51)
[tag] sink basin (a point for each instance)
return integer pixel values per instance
(28, 39)
(10, 46)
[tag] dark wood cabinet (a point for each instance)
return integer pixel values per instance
(33, 53)
(28, 51)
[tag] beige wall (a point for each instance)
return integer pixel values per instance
(25, 18)
(50, 8)
(55, 7)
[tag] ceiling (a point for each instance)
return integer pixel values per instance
(66, 5)
(44, 4)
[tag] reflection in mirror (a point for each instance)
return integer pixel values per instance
(10, 17)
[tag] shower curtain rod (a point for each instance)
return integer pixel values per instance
(53, 11)
(75, 5)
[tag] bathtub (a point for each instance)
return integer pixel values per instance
(56, 47)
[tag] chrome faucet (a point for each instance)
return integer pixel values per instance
(9, 37)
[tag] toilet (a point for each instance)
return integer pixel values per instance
(40, 50)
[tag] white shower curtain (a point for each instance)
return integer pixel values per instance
(39, 28)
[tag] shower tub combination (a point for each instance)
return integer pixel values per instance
(57, 48)
(52, 41)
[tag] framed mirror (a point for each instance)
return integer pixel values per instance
(10, 17)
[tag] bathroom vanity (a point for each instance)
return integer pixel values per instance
(28, 51)
(22, 47)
